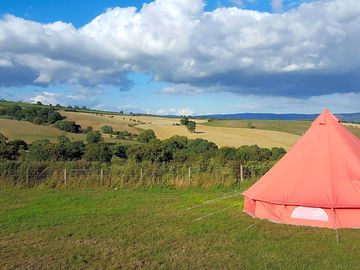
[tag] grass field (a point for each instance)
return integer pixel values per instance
(293, 127)
(151, 229)
(29, 132)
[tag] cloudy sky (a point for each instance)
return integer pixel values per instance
(183, 56)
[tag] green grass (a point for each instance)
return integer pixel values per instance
(128, 229)
(293, 127)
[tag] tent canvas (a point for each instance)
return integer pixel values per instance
(317, 183)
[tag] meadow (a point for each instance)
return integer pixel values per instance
(152, 229)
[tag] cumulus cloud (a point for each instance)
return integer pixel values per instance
(307, 51)
(277, 5)
(172, 111)
(64, 99)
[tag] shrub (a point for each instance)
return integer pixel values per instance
(68, 126)
(97, 152)
(94, 137)
(146, 136)
(107, 129)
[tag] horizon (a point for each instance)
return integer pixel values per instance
(182, 57)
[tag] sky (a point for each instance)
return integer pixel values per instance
(183, 57)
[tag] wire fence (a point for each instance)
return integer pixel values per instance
(72, 174)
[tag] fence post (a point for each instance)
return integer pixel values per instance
(101, 175)
(27, 177)
(189, 175)
(241, 171)
(65, 177)
(141, 174)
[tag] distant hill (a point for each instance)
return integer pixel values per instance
(348, 117)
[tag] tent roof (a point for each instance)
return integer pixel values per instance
(321, 170)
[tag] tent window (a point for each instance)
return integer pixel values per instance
(310, 213)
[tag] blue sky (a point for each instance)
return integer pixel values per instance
(182, 56)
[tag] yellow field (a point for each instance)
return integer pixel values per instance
(164, 128)
(226, 136)
(97, 121)
(28, 132)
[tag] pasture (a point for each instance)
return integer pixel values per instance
(164, 128)
(293, 127)
(152, 229)
(29, 132)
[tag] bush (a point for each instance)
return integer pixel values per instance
(107, 129)
(146, 136)
(97, 152)
(94, 137)
(68, 126)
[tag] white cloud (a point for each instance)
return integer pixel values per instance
(277, 5)
(172, 111)
(308, 51)
(46, 97)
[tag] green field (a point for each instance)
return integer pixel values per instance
(152, 229)
(293, 127)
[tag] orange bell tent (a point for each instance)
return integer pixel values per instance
(317, 183)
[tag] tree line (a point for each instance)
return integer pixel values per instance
(177, 149)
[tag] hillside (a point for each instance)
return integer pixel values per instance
(164, 128)
(349, 117)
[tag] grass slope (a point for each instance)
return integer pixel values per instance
(29, 132)
(131, 229)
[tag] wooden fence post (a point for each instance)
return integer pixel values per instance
(141, 174)
(189, 175)
(65, 177)
(101, 175)
(27, 177)
(241, 171)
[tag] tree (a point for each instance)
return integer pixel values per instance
(277, 153)
(146, 136)
(250, 125)
(68, 126)
(3, 138)
(53, 117)
(191, 126)
(94, 137)
(97, 152)
(184, 120)
(120, 150)
(38, 103)
(41, 150)
(107, 129)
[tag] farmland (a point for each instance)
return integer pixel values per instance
(293, 127)
(165, 128)
(29, 132)
(152, 229)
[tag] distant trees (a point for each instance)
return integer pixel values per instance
(250, 125)
(33, 114)
(68, 126)
(184, 120)
(191, 126)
